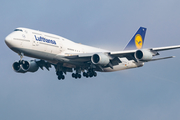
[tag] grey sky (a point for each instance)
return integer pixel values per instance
(150, 92)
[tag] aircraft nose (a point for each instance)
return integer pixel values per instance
(8, 41)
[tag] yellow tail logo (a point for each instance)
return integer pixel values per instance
(138, 41)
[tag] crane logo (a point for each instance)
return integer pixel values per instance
(138, 41)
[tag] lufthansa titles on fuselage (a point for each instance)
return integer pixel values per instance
(45, 40)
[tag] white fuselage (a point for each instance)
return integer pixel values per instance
(53, 48)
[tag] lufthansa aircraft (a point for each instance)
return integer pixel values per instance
(68, 56)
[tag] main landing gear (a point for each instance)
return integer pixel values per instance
(61, 71)
(76, 75)
(60, 75)
(90, 73)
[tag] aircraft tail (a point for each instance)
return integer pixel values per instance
(137, 41)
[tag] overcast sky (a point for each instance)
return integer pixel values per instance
(151, 92)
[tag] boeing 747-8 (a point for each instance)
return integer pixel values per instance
(68, 56)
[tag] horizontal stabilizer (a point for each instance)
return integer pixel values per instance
(162, 58)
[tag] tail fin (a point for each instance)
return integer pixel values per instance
(137, 41)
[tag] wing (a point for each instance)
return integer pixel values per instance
(129, 54)
(133, 51)
(42, 63)
(166, 48)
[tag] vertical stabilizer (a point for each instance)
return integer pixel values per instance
(137, 41)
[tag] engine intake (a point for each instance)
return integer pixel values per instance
(30, 66)
(143, 55)
(18, 68)
(25, 66)
(100, 59)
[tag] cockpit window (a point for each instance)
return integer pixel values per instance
(18, 30)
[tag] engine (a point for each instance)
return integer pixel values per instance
(18, 68)
(100, 59)
(25, 66)
(143, 55)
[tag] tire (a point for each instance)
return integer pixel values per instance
(95, 74)
(73, 75)
(59, 77)
(84, 74)
(79, 75)
(63, 77)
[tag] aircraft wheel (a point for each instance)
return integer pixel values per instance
(79, 75)
(76, 75)
(95, 74)
(63, 77)
(73, 75)
(91, 75)
(59, 77)
(88, 74)
(84, 74)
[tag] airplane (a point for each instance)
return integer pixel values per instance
(67, 56)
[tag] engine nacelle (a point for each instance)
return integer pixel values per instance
(18, 68)
(25, 66)
(30, 66)
(100, 59)
(143, 55)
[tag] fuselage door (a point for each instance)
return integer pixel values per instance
(35, 41)
(61, 46)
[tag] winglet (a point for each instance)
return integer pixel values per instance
(137, 41)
